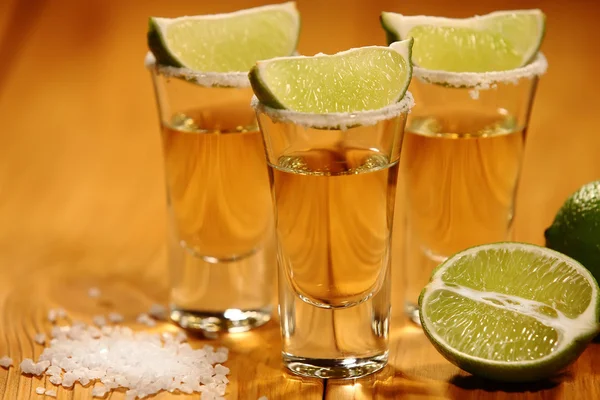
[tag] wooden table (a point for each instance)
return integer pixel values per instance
(81, 190)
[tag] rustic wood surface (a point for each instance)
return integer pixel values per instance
(81, 190)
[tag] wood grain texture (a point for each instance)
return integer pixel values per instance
(81, 190)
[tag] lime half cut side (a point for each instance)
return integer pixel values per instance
(499, 41)
(361, 79)
(230, 42)
(510, 311)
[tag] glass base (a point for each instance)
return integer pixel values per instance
(412, 312)
(344, 368)
(229, 321)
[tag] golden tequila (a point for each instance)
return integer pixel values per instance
(217, 183)
(334, 218)
(460, 171)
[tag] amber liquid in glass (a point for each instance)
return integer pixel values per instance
(217, 183)
(460, 172)
(334, 211)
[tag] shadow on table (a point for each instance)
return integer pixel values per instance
(436, 382)
(389, 383)
(475, 383)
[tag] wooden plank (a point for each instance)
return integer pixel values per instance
(81, 192)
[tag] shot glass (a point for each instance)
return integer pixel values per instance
(461, 162)
(222, 257)
(333, 181)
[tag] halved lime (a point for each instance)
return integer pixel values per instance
(510, 311)
(225, 42)
(498, 41)
(366, 78)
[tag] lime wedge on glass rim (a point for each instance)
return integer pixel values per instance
(510, 311)
(360, 79)
(230, 42)
(499, 41)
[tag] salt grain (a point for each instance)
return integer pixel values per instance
(78, 324)
(55, 314)
(69, 379)
(52, 315)
(221, 370)
(181, 337)
(94, 332)
(99, 320)
(158, 311)
(145, 319)
(94, 292)
(263, 398)
(40, 390)
(99, 391)
(54, 370)
(40, 338)
(29, 367)
(115, 317)
(6, 362)
(474, 94)
(55, 380)
(51, 393)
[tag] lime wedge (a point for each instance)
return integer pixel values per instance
(498, 41)
(366, 78)
(225, 42)
(510, 311)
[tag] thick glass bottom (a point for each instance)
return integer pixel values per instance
(221, 297)
(228, 321)
(343, 368)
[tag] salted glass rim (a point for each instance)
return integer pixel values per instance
(209, 79)
(336, 120)
(482, 80)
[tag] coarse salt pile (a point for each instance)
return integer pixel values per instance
(143, 363)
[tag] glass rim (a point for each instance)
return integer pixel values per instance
(482, 80)
(336, 120)
(206, 79)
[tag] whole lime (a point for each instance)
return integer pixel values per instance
(576, 228)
